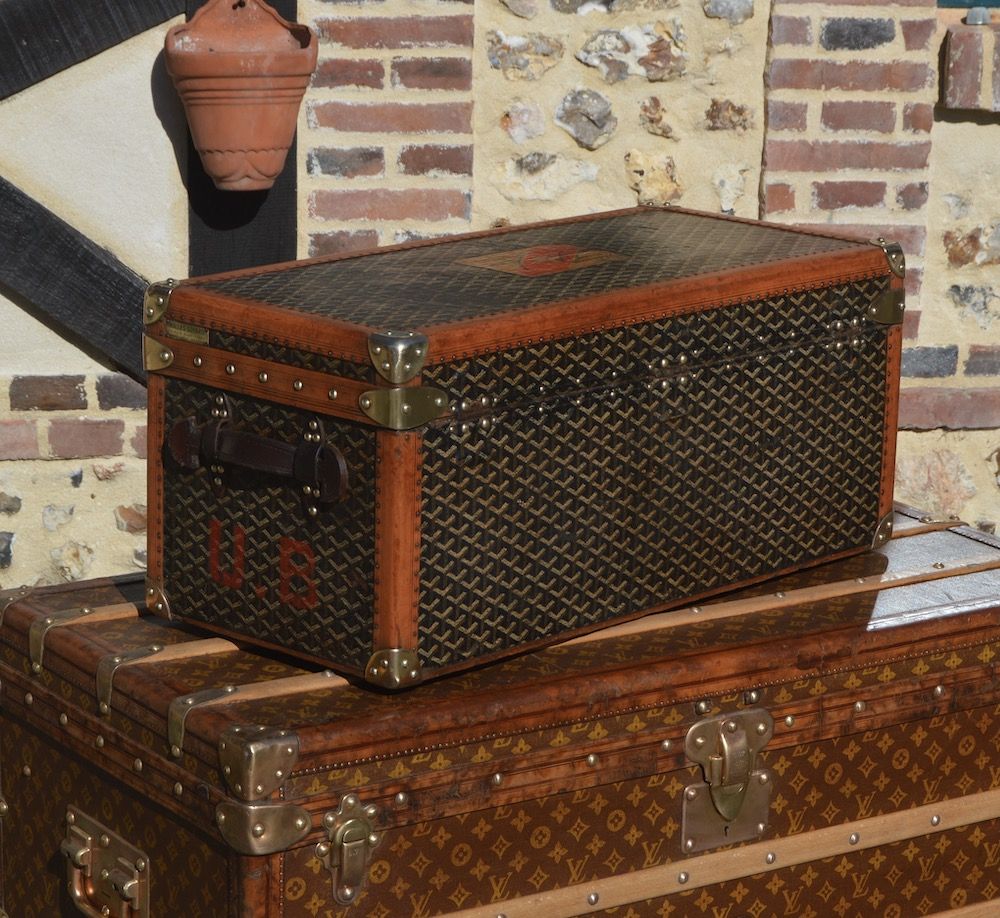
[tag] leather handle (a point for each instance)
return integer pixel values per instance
(310, 463)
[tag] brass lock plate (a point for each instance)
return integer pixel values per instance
(732, 803)
(346, 853)
(107, 876)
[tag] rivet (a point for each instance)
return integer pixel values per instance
(70, 819)
(99, 742)
(731, 726)
(760, 828)
(4, 809)
(751, 697)
(938, 565)
(197, 361)
(105, 841)
(297, 385)
(703, 707)
(105, 911)
(691, 793)
(26, 771)
(137, 765)
(312, 511)
(373, 839)
(497, 779)
(696, 610)
(935, 820)
(593, 899)
(763, 778)
(140, 864)
(854, 838)
(301, 823)
(689, 845)
(665, 745)
(761, 728)
(63, 720)
(789, 721)
(939, 691)
(175, 751)
(178, 789)
(158, 607)
(262, 376)
(36, 668)
(401, 799)
(771, 857)
(164, 355)
(860, 580)
(592, 760)
(332, 394)
(29, 698)
(257, 831)
(230, 368)
(699, 741)
(314, 425)
(377, 349)
(366, 402)
(322, 849)
(859, 706)
(682, 877)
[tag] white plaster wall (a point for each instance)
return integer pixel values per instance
(94, 145)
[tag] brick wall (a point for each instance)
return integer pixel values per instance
(386, 135)
(850, 102)
(72, 477)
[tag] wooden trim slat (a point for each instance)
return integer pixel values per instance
(34, 34)
(755, 859)
(51, 267)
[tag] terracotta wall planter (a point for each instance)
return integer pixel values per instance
(241, 71)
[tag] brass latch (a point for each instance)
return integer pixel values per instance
(106, 875)
(347, 851)
(732, 803)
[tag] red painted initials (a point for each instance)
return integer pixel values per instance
(233, 578)
(296, 562)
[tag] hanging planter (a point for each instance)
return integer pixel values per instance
(241, 71)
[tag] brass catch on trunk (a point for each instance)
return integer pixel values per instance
(732, 803)
(350, 840)
(106, 876)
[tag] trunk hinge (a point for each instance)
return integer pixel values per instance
(351, 838)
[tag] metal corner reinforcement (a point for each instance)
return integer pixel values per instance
(397, 356)
(256, 760)
(157, 300)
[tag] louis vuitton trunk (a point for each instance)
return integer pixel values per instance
(408, 461)
(827, 744)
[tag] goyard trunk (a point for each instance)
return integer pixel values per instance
(826, 744)
(405, 462)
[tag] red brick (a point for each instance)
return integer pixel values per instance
(138, 441)
(918, 117)
(341, 242)
(84, 438)
(950, 409)
(398, 31)
(962, 66)
(432, 73)
(983, 360)
(914, 280)
(836, 195)
(47, 393)
(395, 117)
(917, 33)
(18, 440)
(786, 116)
(826, 156)
(790, 30)
(859, 116)
(116, 390)
(912, 196)
(911, 323)
(339, 72)
(778, 197)
(346, 163)
(902, 76)
(430, 159)
(386, 204)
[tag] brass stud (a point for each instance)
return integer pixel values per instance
(497, 779)
(297, 385)
(665, 745)
(26, 771)
(691, 793)
(854, 838)
(197, 361)
(935, 821)
(592, 760)
(683, 877)
(175, 751)
(763, 778)
(593, 899)
(140, 864)
(939, 691)
(401, 799)
(178, 789)
(789, 721)
(332, 394)
(230, 368)
(258, 830)
(938, 565)
(262, 376)
(63, 720)
(761, 729)
(29, 698)
(770, 858)
(751, 697)
(99, 742)
(689, 845)
(859, 707)
(4, 808)
(137, 765)
(703, 707)
(366, 402)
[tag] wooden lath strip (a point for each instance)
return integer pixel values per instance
(770, 601)
(750, 860)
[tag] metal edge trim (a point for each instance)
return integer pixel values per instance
(750, 860)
